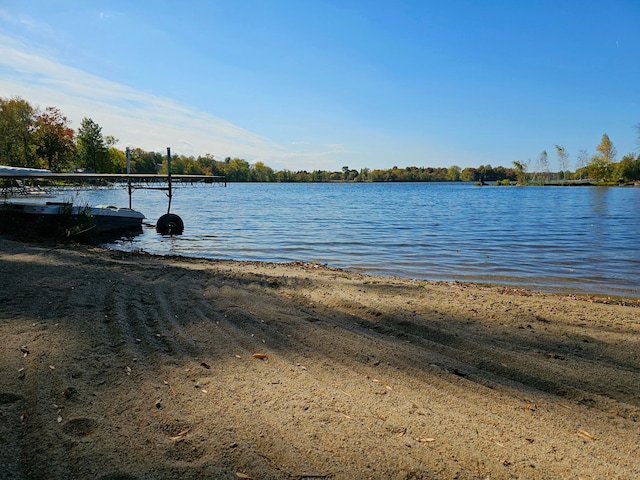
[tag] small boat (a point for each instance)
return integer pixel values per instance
(74, 220)
(7, 171)
(109, 218)
(99, 219)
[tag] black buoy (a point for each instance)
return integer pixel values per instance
(170, 224)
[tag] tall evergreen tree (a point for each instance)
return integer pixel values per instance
(92, 150)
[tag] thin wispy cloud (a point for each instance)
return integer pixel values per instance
(136, 118)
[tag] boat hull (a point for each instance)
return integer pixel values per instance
(99, 219)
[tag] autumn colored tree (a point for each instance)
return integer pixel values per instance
(54, 138)
(601, 165)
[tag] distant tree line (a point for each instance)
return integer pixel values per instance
(44, 139)
(600, 167)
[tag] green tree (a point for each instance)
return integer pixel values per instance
(145, 162)
(468, 174)
(285, 176)
(92, 149)
(54, 139)
(353, 175)
(453, 173)
(17, 119)
(237, 170)
(183, 165)
(301, 176)
(629, 167)
(210, 165)
(503, 174)
(484, 174)
(261, 173)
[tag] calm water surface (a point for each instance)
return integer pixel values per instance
(582, 239)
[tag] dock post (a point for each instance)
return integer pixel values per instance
(129, 174)
(169, 224)
(169, 177)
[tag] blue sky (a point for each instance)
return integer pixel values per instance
(320, 84)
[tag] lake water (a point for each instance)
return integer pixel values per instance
(580, 239)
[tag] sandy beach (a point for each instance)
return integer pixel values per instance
(128, 366)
